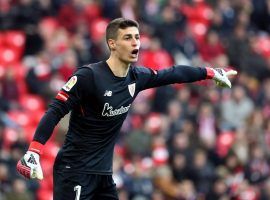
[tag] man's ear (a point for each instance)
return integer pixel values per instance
(111, 44)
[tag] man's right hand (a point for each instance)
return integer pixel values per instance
(29, 166)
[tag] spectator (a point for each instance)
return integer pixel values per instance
(239, 107)
(163, 180)
(219, 190)
(19, 191)
(257, 169)
(237, 46)
(10, 87)
(173, 22)
(211, 47)
(260, 16)
(265, 190)
(4, 179)
(207, 125)
(7, 17)
(180, 167)
(202, 172)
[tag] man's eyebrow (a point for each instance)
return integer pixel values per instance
(130, 35)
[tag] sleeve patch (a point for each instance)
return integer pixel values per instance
(62, 96)
(72, 81)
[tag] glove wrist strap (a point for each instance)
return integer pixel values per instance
(209, 73)
(36, 147)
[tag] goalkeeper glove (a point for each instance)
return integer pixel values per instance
(29, 165)
(220, 76)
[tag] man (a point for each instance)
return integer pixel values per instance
(99, 96)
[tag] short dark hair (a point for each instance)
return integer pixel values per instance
(118, 23)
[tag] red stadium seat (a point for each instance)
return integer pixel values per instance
(156, 59)
(154, 123)
(97, 29)
(119, 150)
(198, 31)
(2, 39)
(2, 71)
(145, 41)
(32, 102)
(20, 71)
(224, 143)
(10, 136)
(200, 11)
(263, 45)
(50, 151)
(48, 26)
(37, 115)
(91, 12)
(16, 40)
(44, 194)
(12, 45)
(29, 132)
(20, 117)
(9, 56)
(160, 155)
(199, 17)
(22, 87)
(46, 186)
(47, 166)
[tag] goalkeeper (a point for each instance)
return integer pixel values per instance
(99, 96)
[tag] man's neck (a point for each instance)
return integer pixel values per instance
(119, 69)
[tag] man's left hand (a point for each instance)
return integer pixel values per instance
(220, 76)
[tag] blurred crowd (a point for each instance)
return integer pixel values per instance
(180, 142)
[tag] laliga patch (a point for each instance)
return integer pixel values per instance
(72, 81)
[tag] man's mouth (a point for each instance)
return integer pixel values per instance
(135, 52)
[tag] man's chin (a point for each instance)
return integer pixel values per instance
(133, 60)
(130, 60)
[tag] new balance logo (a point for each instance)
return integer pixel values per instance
(108, 93)
(32, 160)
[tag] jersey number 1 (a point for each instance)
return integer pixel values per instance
(77, 189)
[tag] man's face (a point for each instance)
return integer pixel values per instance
(127, 44)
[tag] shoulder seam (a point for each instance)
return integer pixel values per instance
(86, 76)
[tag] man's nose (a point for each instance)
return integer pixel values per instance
(134, 42)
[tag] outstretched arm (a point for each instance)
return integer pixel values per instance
(181, 74)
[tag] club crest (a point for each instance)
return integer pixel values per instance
(131, 89)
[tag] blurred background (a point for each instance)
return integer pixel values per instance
(179, 142)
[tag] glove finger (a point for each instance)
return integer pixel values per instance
(231, 73)
(23, 169)
(228, 84)
(36, 172)
(33, 173)
(39, 173)
(225, 83)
